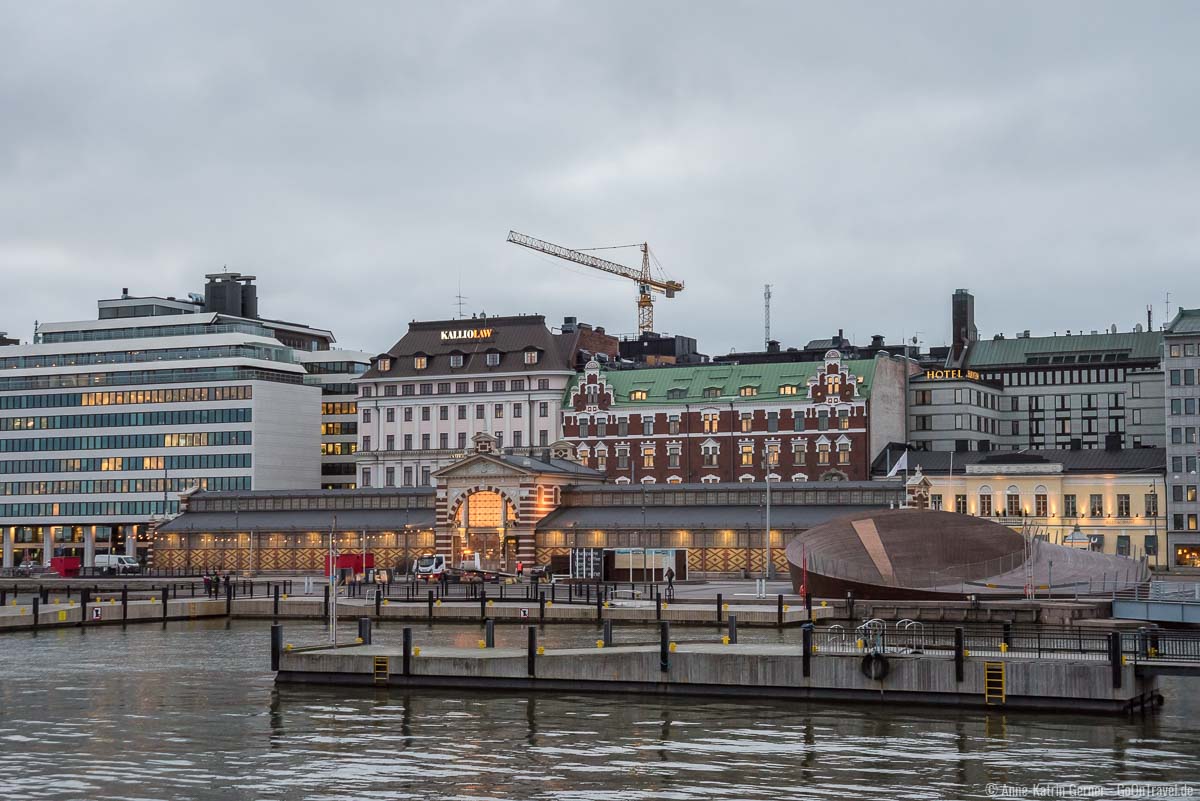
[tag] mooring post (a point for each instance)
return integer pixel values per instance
(806, 640)
(541, 607)
(406, 658)
(276, 645)
(4, 597)
(779, 610)
(36, 601)
(364, 630)
(608, 633)
(958, 654)
(849, 605)
(570, 593)
(325, 604)
(658, 604)
(718, 607)
(483, 604)
(84, 596)
(1114, 657)
(229, 600)
(124, 604)
(808, 604)
(553, 587)
(165, 598)
(664, 646)
(599, 604)
(489, 633)
(378, 601)
(1008, 634)
(430, 601)
(275, 601)
(733, 629)
(531, 651)
(45, 593)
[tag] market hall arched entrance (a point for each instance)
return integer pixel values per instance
(486, 535)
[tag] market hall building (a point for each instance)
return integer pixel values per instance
(492, 509)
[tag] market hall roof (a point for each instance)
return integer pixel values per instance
(686, 384)
(1102, 350)
(510, 337)
(732, 518)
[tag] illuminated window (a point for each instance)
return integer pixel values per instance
(648, 455)
(420, 363)
(843, 453)
(773, 454)
(531, 357)
(788, 389)
(385, 364)
(823, 453)
(709, 422)
(747, 455)
(638, 395)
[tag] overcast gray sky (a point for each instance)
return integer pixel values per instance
(364, 158)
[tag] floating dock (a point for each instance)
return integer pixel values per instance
(961, 679)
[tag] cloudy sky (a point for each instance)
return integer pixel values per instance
(364, 159)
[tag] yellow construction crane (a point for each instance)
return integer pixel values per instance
(647, 284)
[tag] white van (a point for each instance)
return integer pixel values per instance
(117, 565)
(429, 567)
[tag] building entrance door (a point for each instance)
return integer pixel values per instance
(483, 519)
(484, 549)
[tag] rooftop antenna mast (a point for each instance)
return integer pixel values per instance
(766, 316)
(1167, 304)
(459, 298)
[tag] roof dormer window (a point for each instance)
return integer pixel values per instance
(384, 364)
(748, 391)
(531, 357)
(493, 359)
(788, 389)
(712, 392)
(638, 395)
(456, 360)
(420, 361)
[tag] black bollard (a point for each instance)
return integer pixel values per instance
(483, 605)
(1114, 657)
(658, 605)
(733, 629)
(430, 606)
(378, 601)
(849, 605)
(599, 604)
(84, 597)
(570, 593)
(608, 641)
(124, 604)
(45, 593)
(718, 607)
(229, 600)
(1008, 633)
(553, 587)
(779, 610)
(531, 651)
(325, 605)
(406, 658)
(806, 638)
(276, 645)
(165, 597)
(541, 607)
(489, 633)
(36, 599)
(958, 654)
(664, 646)
(275, 602)
(364, 630)
(808, 604)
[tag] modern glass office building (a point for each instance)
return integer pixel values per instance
(104, 422)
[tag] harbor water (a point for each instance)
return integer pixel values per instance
(190, 710)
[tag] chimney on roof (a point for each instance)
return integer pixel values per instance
(124, 292)
(773, 346)
(877, 340)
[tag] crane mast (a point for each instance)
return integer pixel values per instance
(647, 283)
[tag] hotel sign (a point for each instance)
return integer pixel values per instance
(467, 334)
(951, 375)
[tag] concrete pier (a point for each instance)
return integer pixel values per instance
(766, 671)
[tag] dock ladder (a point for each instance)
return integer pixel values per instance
(381, 669)
(993, 683)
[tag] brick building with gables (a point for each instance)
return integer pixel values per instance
(808, 421)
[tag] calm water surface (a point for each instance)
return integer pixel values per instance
(190, 711)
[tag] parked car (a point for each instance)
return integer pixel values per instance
(115, 565)
(27, 569)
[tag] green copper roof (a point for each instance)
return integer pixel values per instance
(690, 382)
(1187, 321)
(1068, 350)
